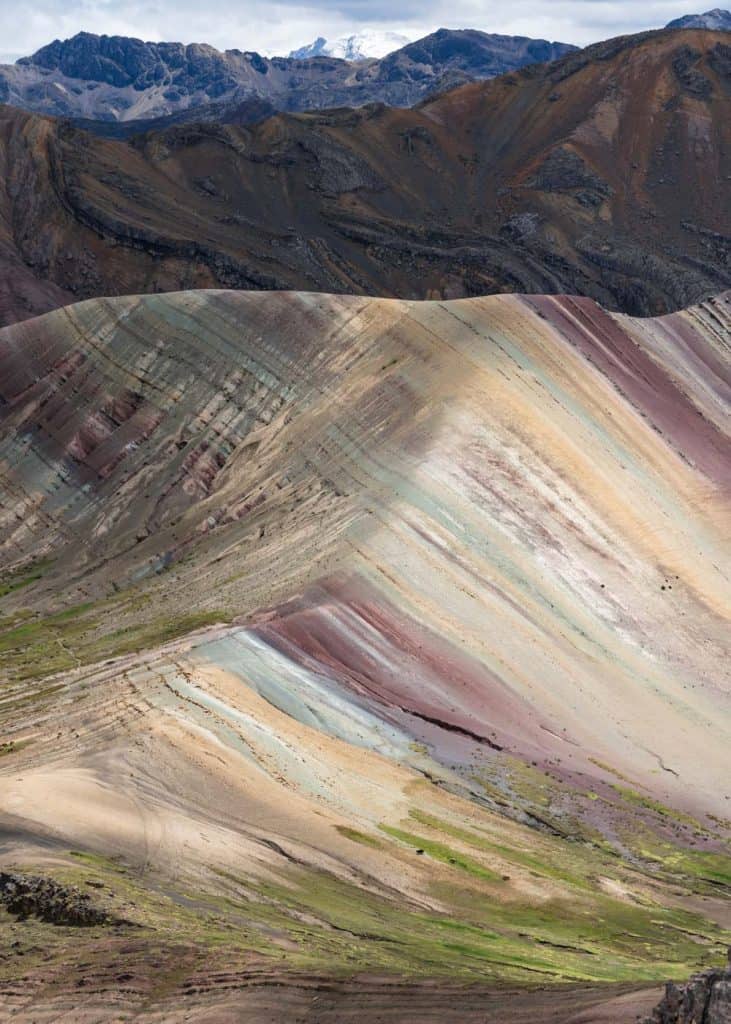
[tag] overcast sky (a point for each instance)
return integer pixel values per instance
(279, 27)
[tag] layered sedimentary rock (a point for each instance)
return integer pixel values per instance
(604, 174)
(347, 635)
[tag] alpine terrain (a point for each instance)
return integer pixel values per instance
(113, 78)
(365, 484)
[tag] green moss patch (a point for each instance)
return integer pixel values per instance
(649, 804)
(564, 869)
(76, 636)
(442, 853)
(17, 579)
(13, 746)
(359, 837)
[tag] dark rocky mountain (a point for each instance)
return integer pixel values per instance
(470, 52)
(605, 174)
(111, 78)
(716, 19)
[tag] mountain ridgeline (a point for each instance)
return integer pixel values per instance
(715, 19)
(117, 79)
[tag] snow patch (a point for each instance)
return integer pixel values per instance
(361, 46)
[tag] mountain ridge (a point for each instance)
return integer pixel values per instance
(717, 19)
(112, 78)
(389, 649)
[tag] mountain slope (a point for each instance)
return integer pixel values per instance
(113, 78)
(605, 174)
(456, 703)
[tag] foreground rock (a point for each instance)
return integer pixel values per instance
(27, 896)
(705, 999)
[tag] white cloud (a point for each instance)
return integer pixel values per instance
(280, 26)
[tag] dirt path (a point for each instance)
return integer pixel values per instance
(270, 999)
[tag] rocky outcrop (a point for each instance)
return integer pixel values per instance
(705, 999)
(26, 896)
(119, 61)
(478, 54)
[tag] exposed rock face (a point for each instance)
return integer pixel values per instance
(114, 78)
(603, 174)
(476, 54)
(27, 896)
(705, 999)
(715, 19)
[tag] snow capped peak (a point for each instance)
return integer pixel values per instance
(361, 46)
(316, 49)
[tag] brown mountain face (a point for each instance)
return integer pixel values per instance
(606, 173)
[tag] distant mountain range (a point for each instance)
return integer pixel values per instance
(361, 46)
(117, 86)
(715, 19)
(116, 79)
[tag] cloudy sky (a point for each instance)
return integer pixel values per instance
(280, 26)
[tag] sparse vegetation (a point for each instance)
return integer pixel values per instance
(359, 837)
(649, 804)
(80, 635)
(443, 853)
(13, 746)
(23, 577)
